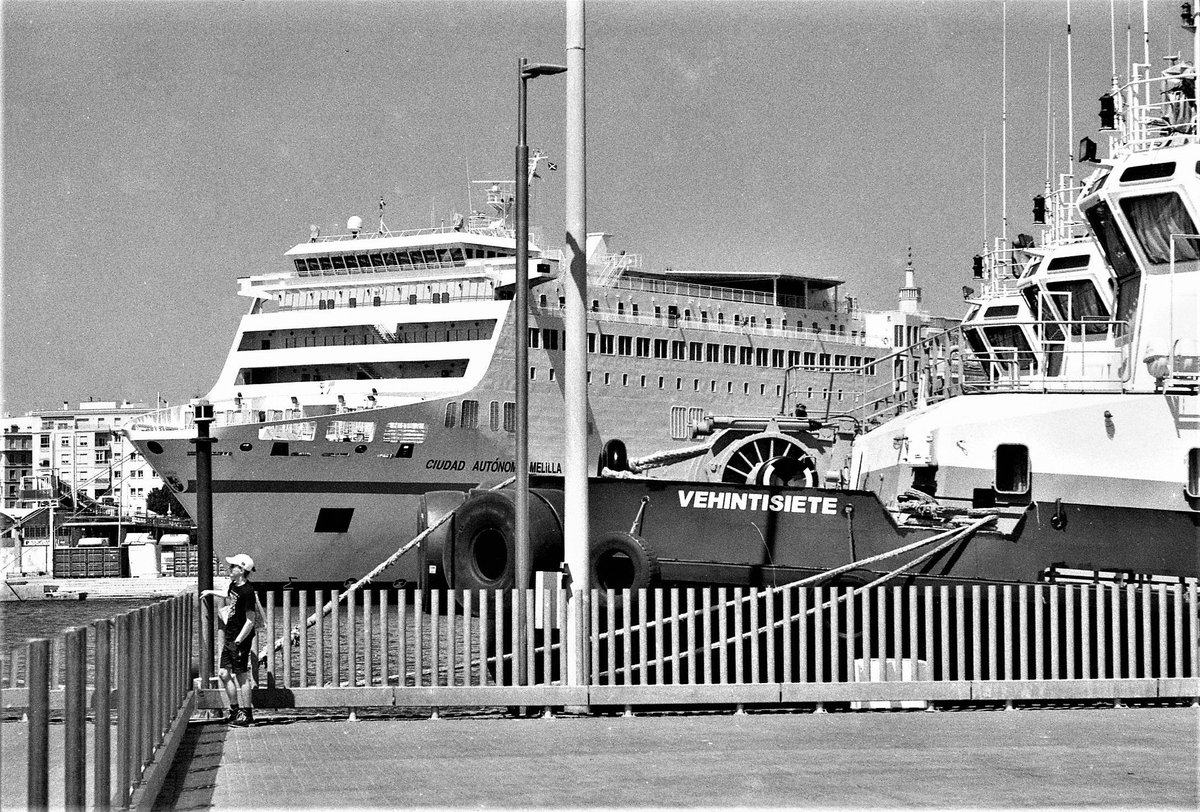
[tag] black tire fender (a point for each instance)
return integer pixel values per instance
(620, 560)
(485, 538)
(436, 551)
(613, 456)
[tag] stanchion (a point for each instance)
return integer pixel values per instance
(102, 705)
(37, 678)
(74, 719)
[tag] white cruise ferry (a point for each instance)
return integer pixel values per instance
(373, 367)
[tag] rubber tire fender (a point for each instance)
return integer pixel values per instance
(613, 456)
(485, 538)
(437, 548)
(646, 572)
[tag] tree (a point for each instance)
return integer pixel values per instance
(162, 501)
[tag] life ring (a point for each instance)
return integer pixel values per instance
(485, 538)
(620, 560)
(435, 554)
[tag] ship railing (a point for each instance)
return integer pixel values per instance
(724, 294)
(1077, 356)
(124, 683)
(1156, 109)
(1096, 637)
(711, 325)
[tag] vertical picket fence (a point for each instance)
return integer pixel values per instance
(129, 679)
(836, 635)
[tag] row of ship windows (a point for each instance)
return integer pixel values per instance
(427, 257)
(640, 347)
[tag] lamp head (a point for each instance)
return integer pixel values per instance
(531, 70)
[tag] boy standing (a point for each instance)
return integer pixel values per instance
(239, 639)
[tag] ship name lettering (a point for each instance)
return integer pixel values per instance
(445, 465)
(496, 465)
(775, 503)
(545, 467)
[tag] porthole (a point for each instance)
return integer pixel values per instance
(358, 449)
(246, 446)
(154, 447)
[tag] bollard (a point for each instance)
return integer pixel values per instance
(37, 678)
(75, 719)
(101, 704)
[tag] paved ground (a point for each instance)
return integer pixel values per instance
(1133, 757)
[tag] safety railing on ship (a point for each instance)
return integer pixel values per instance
(1048, 356)
(732, 645)
(125, 679)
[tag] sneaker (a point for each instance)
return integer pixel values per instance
(242, 718)
(232, 718)
(248, 715)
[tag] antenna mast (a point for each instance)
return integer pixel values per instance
(1070, 98)
(1004, 127)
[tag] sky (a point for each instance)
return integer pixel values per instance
(154, 151)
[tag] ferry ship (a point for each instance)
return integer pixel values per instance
(374, 367)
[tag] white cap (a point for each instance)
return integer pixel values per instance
(241, 560)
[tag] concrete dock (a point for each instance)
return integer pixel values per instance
(1127, 758)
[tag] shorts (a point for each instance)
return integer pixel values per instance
(235, 656)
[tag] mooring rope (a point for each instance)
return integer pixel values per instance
(370, 576)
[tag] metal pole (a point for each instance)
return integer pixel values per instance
(204, 538)
(521, 284)
(102, 703)
(37, 765)
(75, 720)
(575, 457)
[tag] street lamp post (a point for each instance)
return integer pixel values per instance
(525, 72)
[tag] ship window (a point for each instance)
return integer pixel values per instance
(510, 415)
(678, 350)
(389, 258)
(1153, 219)
(761, 357)
(334, 520)
(793, 358)
(314, 265)
(326, 264)
(494, 415)
(1068, 263)
(339, 263)
(745, 355)
(1001, 311)
(712, 353)
(624, 345)
(660, 348)
(377, 260)
(550, 339)
(1116, 251)
(777, 358)
(643, 347)
(606, 344)
(1012, 469)
(1009, 344)
(412, 298)
(352, 261)
(695, 351)
(470, 414)
(451, 414)
(350, 431)
(301, 267)
(1148, 172)
(1193, 473)
(728, 354)
(534, 336)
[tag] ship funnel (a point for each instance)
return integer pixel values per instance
(354, 225)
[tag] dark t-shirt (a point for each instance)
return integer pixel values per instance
(242, 600)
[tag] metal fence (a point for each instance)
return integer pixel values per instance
(131, 675)
(731, 645)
